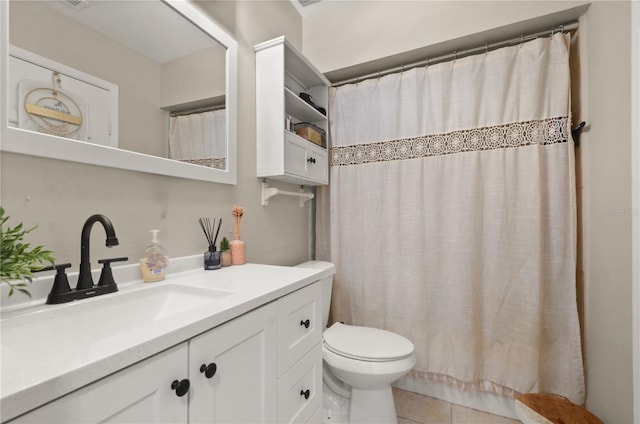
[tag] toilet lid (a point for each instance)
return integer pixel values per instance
(365, 343)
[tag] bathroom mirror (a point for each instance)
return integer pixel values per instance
(110, 83)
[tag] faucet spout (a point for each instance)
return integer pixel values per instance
(85, 280)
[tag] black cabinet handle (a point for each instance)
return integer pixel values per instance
(181, 387)
(305, 393)
(209, 370)
(306, 323)
(311, 160)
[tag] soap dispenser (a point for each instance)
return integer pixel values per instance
(155, 260)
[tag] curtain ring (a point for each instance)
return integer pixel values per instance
(455, 55)
(486, 48)
(561, 29)
(521, 40)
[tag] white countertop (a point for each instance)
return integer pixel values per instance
(34, 372)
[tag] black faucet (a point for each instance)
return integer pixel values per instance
(85, 281)
(61, 292)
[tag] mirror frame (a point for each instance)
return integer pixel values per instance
(15, 140)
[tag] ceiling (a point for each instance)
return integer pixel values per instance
(311, 7)
(139, 25)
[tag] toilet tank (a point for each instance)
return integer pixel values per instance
(326, 281)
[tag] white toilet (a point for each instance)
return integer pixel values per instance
(360, 363)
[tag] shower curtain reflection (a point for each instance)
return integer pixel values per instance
(199, 138)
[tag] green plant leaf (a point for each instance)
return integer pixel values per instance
(18, 260)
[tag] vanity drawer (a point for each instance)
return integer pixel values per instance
(299, 325)
(300, 389)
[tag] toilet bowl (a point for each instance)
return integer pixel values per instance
(359, 365)
(368, 360)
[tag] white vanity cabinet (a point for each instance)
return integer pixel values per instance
(140, 393)
(282, 73)
(241, 390)
(232, 370)
(264, 366)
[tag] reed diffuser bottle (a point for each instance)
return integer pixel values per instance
(237, 246)
(211, 256)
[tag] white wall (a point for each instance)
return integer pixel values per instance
(340, 39)
(58, 196)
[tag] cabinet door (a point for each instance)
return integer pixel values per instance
(304, 159)
(141, 393)
(243, 354)
(317, 167)
(295, 155)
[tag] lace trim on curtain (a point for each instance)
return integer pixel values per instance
(217, 163)
(517, 134)
(465, 386)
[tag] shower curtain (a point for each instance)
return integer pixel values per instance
(451, 217)
(199, 138)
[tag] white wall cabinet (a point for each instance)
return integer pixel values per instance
(229, 374)
(282, 73)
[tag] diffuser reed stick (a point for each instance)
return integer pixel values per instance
(237, 246)
(207, 229)
(237, 216)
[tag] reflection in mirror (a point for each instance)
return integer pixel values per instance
(129, 75)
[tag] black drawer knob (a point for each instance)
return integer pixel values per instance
(181, 387)
(306, 323)
(305, 393)
(311, 160)
(209, 370)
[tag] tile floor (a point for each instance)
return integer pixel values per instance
(413, 408)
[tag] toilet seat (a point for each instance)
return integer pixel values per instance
(366, 344)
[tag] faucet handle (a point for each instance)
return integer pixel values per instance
(60, 291)
(106, 276)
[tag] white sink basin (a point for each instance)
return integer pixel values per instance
(101, 322)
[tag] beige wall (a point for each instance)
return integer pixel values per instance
(607, 204)
(58, 196)
(194, 77)
(342, 38)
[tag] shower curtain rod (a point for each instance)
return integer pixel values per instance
(198, 110)
(459, 54)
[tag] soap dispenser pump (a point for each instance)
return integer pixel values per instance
(154, 262)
